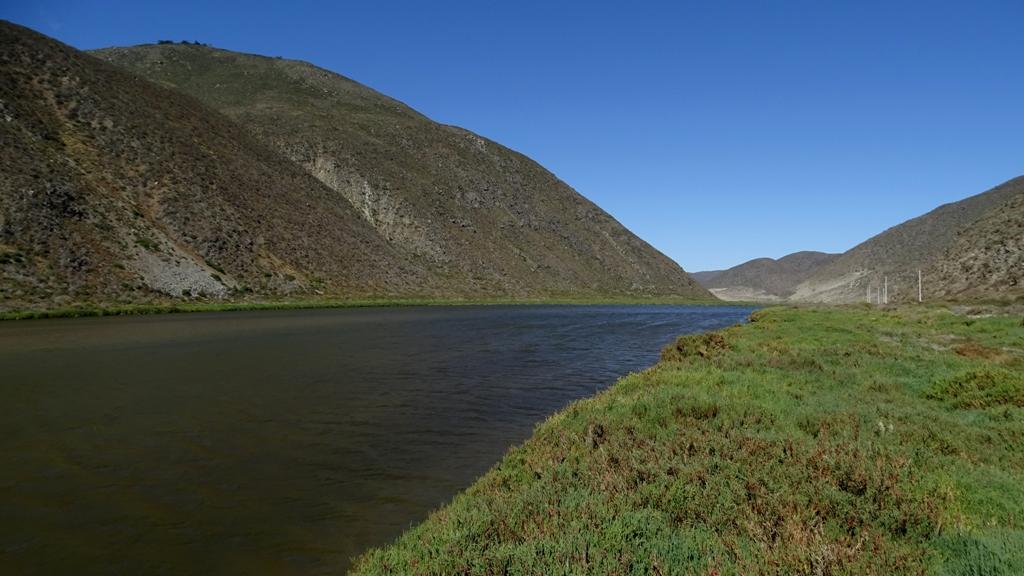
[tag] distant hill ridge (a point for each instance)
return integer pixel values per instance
(971, 249)
(979, 225)
(764, 279)
(705, 276)
(114, 189)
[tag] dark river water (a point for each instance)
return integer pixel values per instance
(281, 442)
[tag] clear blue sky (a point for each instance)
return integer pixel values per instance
(717, 131)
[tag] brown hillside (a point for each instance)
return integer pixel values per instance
(765, 278)
(924, 243)
(986, 259)
(115, 189)
(489, 219)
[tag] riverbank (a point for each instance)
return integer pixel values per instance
(176, 307)
(808, 441)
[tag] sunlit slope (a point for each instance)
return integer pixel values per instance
(986, 259)
(766, 279)
(931, 243)
(486, 218)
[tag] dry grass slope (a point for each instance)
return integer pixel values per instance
(986, 258)
(115, 190)
(775, 279)
(488, 219)
(933, 242)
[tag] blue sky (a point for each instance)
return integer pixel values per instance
(717, 131)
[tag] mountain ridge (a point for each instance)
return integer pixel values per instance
(895, 256)
(118, 190)
(972, 248)
(764, 279)
(441, 193)
(115, 189)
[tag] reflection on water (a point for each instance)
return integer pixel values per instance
(281, 442)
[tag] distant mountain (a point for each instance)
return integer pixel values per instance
(116, 189)
(705, 276)
(764, 279)
(970, 248)
(487, 219)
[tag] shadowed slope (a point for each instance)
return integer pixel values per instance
(115, 189)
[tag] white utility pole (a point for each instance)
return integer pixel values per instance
(885, 290)
(869, 294)
(919, 293)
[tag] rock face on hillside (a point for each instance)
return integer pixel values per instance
(764, 279)
(969, 248)
(115, 189)
(487, 219)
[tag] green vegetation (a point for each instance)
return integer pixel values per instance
(173, 307)
(147, 243)
(814, 441)
(9, 255)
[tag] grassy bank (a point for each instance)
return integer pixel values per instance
(173, 307)
(838, 441)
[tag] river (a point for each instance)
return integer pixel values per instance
(281, 442)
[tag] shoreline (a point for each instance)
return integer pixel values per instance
(91, 310)
(860, 432)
